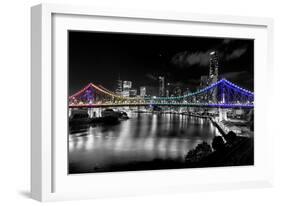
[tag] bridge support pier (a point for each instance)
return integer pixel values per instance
(91, 112)
(94, 112)
(69, 112)
(98, 112)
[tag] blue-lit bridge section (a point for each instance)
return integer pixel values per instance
(222, 94)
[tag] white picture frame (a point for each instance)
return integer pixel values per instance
(48, 44)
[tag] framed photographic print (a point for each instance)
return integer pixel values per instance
(138, 102)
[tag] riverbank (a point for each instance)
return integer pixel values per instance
(239, 127)
(235, 146)
(240, 152)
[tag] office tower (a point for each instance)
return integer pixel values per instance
(214, 73)
(119, 87)
(167, 93)
(203, 81)
(177, 91)
(142, 91)
(186, 92)
(161, 86)
(214, 67)
(127, 85)
(133, 92)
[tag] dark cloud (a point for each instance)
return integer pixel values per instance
(185, 59)
(236, 53)
(151, 77)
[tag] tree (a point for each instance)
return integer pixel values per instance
(218, 143)
(231, 137)
(202, 150)
(204, 147)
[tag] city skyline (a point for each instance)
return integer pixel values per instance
(141, 59)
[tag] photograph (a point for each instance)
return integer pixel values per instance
(140, 101)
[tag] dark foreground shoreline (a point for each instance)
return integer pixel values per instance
(236, 151)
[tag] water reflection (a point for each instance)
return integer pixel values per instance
(144, 137)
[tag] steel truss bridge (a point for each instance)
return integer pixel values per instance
(222, 94)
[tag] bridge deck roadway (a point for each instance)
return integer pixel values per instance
(236, 106)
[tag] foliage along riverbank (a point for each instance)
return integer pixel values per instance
(234, 151)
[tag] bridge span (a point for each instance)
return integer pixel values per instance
(222, 94)
(234, 106)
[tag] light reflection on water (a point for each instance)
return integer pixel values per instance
(144, 137)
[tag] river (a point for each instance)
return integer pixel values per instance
(136, 143)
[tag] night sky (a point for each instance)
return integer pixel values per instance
(100, 58)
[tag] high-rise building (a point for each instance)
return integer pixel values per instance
(152, 91)
(177, 91)
(119, 87)
(127, 86)
(203, 81)
(133, 93)
(168, 89)
(214, 67)
(126, 93)
(142, 91)
(186, 92)
(214, 73)
(167, 93)
(161, 86)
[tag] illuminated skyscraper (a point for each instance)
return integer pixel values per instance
(142, 91)
(167, 93)
(161, 86)
(127, 86)
(177, 91)
(186, 92)
(119, 87)
(214, 73)
(203, 81)
(133, 93)
(214, 67)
